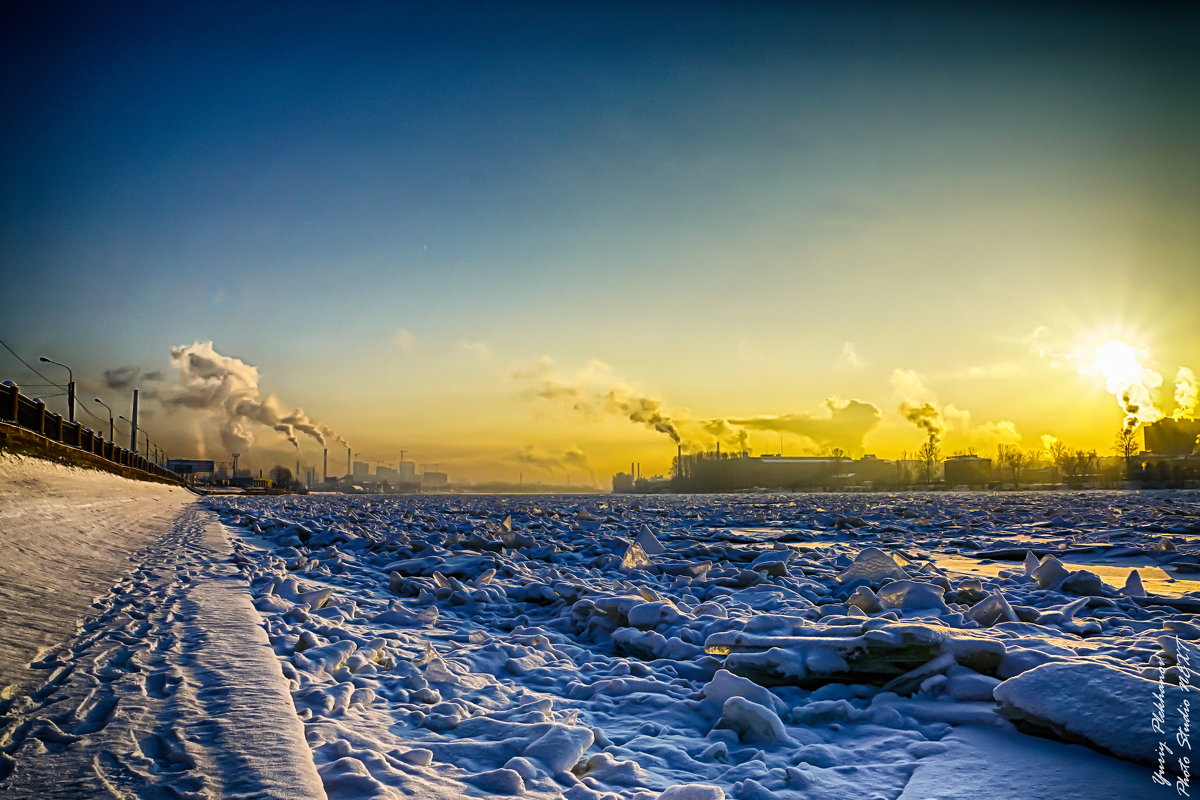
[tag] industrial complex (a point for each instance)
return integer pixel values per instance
(1171, 459)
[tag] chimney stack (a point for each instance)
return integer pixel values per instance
(133, 426)
(325, 466)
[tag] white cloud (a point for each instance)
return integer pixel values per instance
(404, 339)
(849, 357)
(480, 349)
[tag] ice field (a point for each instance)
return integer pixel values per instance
(943, 645)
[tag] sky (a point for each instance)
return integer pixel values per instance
(489, 233)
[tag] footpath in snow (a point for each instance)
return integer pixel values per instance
(168, 687)
(66, 536)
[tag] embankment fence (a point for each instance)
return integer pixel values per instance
(31, 414)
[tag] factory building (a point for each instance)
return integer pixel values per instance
(968, 471)
(1172, 437)
(361, 470)
(714, 472)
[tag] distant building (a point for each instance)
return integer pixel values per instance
(361, 469)
(434, 479)
(1172, 437)
(386, 473)
(968, 471)
(408, 471)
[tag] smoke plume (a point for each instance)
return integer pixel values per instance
(227, 388)
(595, 391)
(839, 424)
(919, 406)
(536, 458)
(1187, 394)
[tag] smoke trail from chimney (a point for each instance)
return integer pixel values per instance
(1187, 394)
(227, 388)
(594, 391)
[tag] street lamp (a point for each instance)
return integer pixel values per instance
(70, 386)
(110, 417)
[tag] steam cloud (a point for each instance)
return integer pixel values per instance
(595, 392)
(1187, 394)
(532, 456)
(919, 406)
(227, 388)
(839, 425)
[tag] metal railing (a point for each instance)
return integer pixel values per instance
(31, 414)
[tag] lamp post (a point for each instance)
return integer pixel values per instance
(110, 417)
(70, 386)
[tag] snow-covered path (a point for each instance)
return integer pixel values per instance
(170, 690)
(66, 535)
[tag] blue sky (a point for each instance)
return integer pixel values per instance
(711, 198)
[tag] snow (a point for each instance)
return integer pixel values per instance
(171, 689)
(67, 534)
(1048, 698)
(633, 648)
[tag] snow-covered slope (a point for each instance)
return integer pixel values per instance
(66, 535)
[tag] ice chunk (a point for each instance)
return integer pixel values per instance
(725, 685)
(693, 791)
(649, 542)
(649, 615)
(993, 609)
(1049, 573)
(635, 557)
(1114, 711)
(1133, 585)
(865, 600)
(912, 595)
(1084, 583)
(773, 562)
(561, 747)
(969, 686)
(873, 566)
(753, 723)
(502, 781)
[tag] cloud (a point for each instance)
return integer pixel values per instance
(127, 377)
(1002, 369)
(480, 349)
(849, 357)
(403, 339)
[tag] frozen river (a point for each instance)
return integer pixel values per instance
(902, 646)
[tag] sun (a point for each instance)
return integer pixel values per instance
(1118, 362)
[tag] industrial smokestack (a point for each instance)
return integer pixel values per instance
(347, 460)
(325, 466)
(133, 423)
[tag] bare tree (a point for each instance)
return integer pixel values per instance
(1014, 459)
(930, 455)
(281, 476)
(1126, 446)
